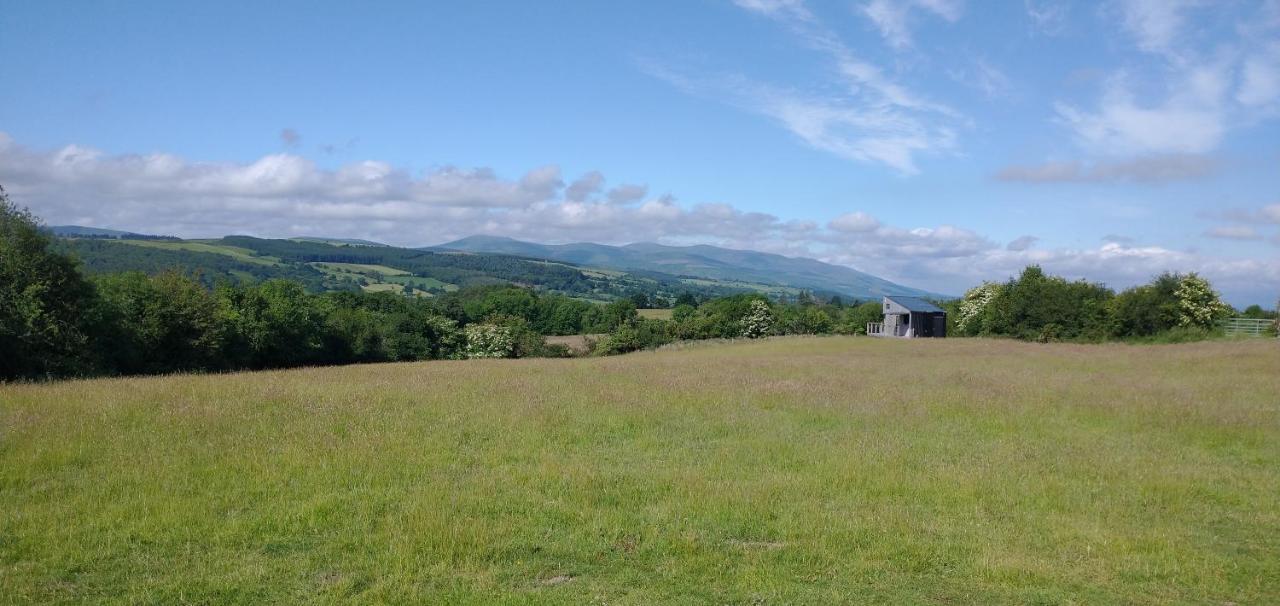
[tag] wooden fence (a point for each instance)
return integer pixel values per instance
(1248, 327)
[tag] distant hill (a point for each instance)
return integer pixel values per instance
(701, 261)
(346, 241)
(80, 231)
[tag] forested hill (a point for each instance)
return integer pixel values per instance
(327, 265)
(702, 261)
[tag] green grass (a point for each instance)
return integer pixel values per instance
(240, 254)
(790, 471)
(655, 314)
(341, 269)
(421, 282)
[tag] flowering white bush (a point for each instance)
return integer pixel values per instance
(759, 322)
(1198, 304)
(974, 302)
(490, 341)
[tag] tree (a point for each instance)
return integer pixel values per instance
(490, 341)
(45, 304)
(1146, 310)
(686, 298)
(973, 307)
(856, 318)
(1198, 304)
(159, 324)
(759, 322)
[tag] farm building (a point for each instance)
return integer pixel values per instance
(910, 317)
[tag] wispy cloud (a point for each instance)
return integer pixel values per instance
(1209, 89)
(1143, 169)
(1048, 16)
(1234, 232)
(893, 17)
(874, 120)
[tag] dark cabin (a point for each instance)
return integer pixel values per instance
(909, 318)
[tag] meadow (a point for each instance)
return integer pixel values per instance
(789, 470)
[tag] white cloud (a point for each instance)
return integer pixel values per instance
(1190, 121)
(1155, 24)
(874, 120)
(1208, 88)
(892, 17)
(283, 196)
(854, 222)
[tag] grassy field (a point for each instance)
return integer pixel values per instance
(655, 314)
(809, 471)
(235, 252)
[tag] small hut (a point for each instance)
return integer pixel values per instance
(909, 318)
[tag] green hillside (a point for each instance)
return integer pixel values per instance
(706, 262)
(330, 265)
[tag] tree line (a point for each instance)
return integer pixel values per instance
(57, 321)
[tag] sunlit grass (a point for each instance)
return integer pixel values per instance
(799, 470)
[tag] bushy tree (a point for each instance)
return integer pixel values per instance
(1198, 304)
(275, 324)
(490, 341)
(1146, 310)
(1038, 307)
(856, 318)
(154, 324)
(973, 307)
(643, 334)
(759, 322)
(45, 303)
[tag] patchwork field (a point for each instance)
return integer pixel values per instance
(802, 470)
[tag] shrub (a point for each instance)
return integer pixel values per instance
(1198, 304)
(490, 341)
(759, 322)
(856, 318)
(644, 334)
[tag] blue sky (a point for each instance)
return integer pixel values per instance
(938, 143)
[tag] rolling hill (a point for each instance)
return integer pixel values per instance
(700, 261)
(586, 270)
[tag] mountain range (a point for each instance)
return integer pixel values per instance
(699, 261)
(608, 270)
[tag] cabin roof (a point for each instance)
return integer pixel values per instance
(915, 304)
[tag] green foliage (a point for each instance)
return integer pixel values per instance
(635, 336)
(45, 303)
(972, 309)
(1146, 310)
(855, 319)
(158, 324)
(802, 319)
(1037, 307)
(1256, 312)
(105, 256)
